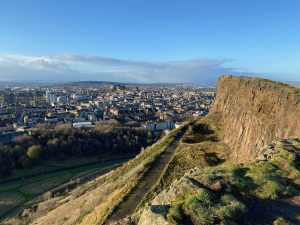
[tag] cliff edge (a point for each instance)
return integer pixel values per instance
(254, 112)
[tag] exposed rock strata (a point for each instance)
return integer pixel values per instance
(254, 112)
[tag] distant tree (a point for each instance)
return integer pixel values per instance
(5, 164)
(149, 135)
(34, 152)
(25, 140)
(26, 162)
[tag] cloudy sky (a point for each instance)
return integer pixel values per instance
(149, 40)
(79, 67)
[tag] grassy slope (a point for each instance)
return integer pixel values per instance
(258, 192)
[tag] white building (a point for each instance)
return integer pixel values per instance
(166, 125)
(83, 124)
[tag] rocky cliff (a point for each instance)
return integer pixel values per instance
(254, 112)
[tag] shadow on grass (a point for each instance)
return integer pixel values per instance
(198, 133)
(266, 211)
(213, 159)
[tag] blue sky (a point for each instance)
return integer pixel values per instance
(149, 40)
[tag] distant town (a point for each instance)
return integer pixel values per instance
(154, 107)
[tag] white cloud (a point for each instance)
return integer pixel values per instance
(80, 67)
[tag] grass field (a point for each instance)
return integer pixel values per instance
(9, 200)
(15, 194)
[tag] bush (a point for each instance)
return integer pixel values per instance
(34, 152)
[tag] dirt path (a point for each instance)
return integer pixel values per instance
(129, 205)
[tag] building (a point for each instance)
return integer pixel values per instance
(156, 126)
(83, 124)
(62, 99)
(8, 99)
(50, 97)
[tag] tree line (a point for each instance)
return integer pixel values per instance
(61, 141)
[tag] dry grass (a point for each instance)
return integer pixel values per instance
(101, 212)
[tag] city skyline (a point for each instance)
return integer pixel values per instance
(148, 41)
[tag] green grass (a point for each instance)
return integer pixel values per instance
(204, 207)
(42, 186)
(27, 172)
(34, 187)
(56, 164)
(9, 200)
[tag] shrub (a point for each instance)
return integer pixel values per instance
(34, 152)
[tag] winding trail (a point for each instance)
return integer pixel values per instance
(149, 180)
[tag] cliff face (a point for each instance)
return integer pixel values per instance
(254, 112)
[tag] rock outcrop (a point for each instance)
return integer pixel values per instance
(156, 212)
(254, 112)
